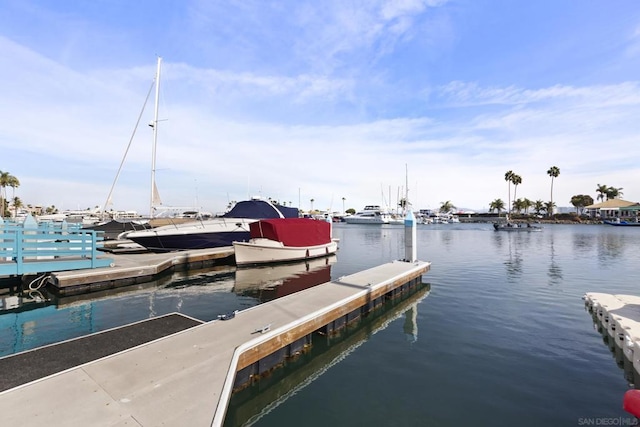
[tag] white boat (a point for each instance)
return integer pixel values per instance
(396, 219)
(210, 233)
(371, 214)
(440, 220)
(284, 240)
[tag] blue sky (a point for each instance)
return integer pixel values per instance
(324, 100)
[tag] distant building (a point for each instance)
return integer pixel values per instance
(613, 208)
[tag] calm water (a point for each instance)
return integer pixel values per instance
(499, 337)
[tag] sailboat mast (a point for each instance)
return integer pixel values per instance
(155, 140)
(406, 183)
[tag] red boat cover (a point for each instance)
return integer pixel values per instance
(295, 232)
(631, 402)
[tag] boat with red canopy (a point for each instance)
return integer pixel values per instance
(285, 239)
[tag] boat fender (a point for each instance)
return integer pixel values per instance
(228, 316)
(631, 402)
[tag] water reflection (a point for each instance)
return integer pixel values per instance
(33, 319)
(609, 246)
(514, 243)
(251, 404)
(410, 325)
(628, 370)
(446, 238)
(555, 271)
(270, 282)
(582, 243)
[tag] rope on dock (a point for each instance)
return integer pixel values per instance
(38, 282)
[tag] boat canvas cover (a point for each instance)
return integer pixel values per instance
(259, 209)
(293, 232)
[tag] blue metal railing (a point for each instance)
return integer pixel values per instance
(30, 248)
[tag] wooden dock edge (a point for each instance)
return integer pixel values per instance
(305, 325)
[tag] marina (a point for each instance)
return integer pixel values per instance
(289, 274)
(71, 259)
(504, 331)
(207, 360)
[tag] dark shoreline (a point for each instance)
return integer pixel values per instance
(522, 219)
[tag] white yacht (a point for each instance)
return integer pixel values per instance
(371, 214)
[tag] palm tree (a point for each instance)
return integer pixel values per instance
(538, 206)
(527, 204)
(6, 180)
(602, 192)
(549, 206)
(447, 207)
(613, 193)
(496, 205)
(518, 205)
(508, 176)
(515, 180)
(13, 183)
(17, 204)
(553, 172)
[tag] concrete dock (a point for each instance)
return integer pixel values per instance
(187, 378)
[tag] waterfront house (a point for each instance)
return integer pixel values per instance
(613, 208)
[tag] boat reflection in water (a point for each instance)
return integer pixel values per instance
(267, 283)
(31, 319)
(250, 404)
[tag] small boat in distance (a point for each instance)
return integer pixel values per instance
(371, 214)
(284, 240)
(623, 223)
(512, 226)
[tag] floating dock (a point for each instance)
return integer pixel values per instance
(129, 269)
(187, 378)
(618, 319)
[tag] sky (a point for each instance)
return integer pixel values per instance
(346, 102)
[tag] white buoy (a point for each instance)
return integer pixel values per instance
(410, 237)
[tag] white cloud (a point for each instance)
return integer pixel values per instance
(330, 128)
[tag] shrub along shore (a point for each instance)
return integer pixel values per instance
(562, 218)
